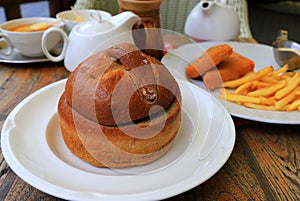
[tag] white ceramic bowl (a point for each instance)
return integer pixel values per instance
(28, 43)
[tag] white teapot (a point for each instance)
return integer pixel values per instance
(89, 37)
(212, 20)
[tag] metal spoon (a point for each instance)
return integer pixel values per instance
(286, 51)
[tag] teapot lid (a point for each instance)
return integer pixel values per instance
(95, 25)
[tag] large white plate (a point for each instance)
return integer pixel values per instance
(178, 59)
(32, 146)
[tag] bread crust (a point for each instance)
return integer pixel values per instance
(120, 108)
(134, 151)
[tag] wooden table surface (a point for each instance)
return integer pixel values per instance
(264, 165)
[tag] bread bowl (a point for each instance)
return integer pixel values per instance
(120, 108)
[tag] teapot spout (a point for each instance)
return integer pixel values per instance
(126, 20)
(121, 31)
(206, 6)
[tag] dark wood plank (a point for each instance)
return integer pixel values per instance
(277, 152)
(16, 83)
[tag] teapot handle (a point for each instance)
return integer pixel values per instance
(44, 44)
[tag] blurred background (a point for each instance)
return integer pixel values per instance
(266, 17)
(33, 9)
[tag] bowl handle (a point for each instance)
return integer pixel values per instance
(44, 44)
(7, 48)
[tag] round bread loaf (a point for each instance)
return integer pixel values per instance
(120, 108)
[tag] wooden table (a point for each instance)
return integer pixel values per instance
(264, 165)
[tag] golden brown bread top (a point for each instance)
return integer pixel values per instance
(120, 85)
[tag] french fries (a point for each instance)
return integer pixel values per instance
(248, 77)
(266, 89)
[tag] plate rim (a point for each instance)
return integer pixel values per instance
(65, 193)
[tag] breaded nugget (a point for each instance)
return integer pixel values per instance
(209, 59)
(231, 68)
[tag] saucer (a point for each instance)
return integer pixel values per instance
(16, 57)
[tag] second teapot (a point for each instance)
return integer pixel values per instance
(212, 20)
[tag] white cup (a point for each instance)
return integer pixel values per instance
(28, 43)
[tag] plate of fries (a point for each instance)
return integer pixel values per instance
(270, 93)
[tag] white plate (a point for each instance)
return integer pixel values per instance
(178, 59)
(33, 147)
